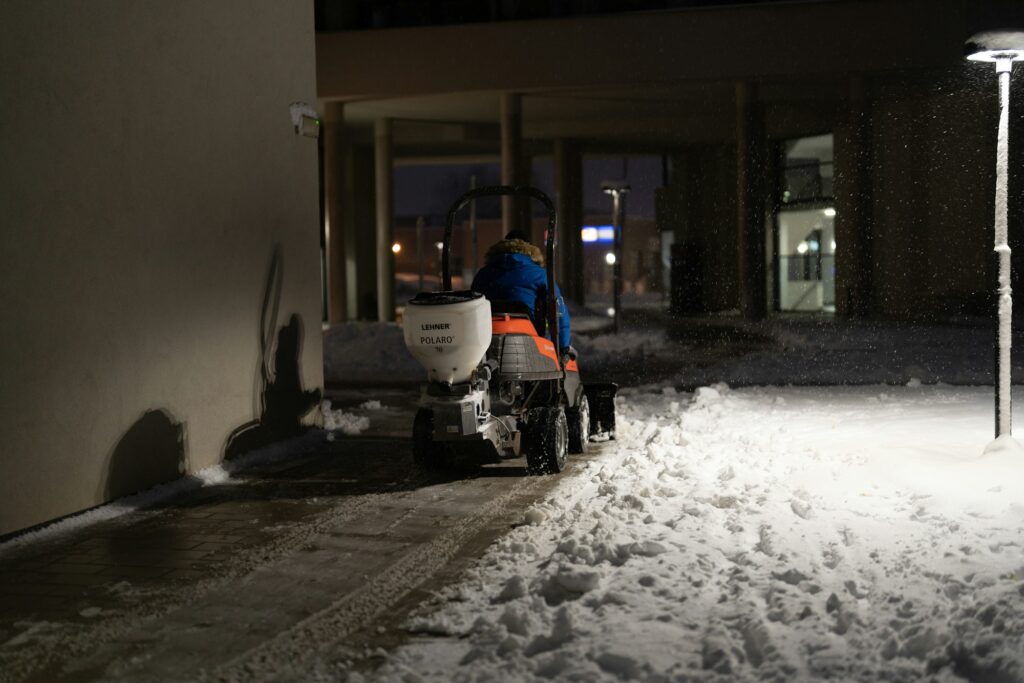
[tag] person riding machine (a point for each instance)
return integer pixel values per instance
(497, 387)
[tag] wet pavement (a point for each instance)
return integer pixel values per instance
(314, 556)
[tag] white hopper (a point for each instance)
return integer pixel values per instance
(448, 333)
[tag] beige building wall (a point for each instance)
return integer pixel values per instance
(148, 168)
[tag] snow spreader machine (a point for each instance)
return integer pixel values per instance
(497, 387)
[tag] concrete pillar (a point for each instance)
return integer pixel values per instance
(334, 190)
(361, 231)
(750, 202)
(350, 230)
(511, 158)
(568, 163)
(854, 205)
(383, 184)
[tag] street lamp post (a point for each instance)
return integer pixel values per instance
(419, 248)
(1001, 48)
(618, 189)
(475, 246)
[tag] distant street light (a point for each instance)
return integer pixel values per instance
(396, 247)
(618, 189)
(1002, 48)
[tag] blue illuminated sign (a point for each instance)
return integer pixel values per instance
(598, 233)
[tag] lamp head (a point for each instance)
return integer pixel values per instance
(614, 187)
(1004, 45)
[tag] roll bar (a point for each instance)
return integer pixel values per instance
(501, 191)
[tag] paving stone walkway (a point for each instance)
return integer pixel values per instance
(296, 560)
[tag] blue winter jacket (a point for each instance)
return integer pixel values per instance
(513, 273)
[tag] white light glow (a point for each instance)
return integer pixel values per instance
(833, 245)
(830, 212)
(611, 312)
(610, 258)
(997, 56)
(597, 233)
(801, 248)
(396, 247)
(439, 245)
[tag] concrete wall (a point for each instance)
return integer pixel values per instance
(802, 39)
(148, 168)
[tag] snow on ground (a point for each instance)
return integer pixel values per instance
(696, 353)
(821, 351)
(599, 350)
(854, 533)
(348, 424)
(369, 352)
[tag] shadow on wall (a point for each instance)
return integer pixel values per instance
(282, 400)
(151, 452)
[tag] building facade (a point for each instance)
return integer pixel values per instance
(824, 157)
(156, 199)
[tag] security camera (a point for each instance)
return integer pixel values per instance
(305, 119)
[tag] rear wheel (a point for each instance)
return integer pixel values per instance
(579, 426)
(426, 453)
(546, 441)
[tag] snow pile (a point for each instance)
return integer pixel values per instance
(348, 424)
(368, 352)
(697, 353)
(761, 534)
(637, 345)
(362, 352)
(841, 352)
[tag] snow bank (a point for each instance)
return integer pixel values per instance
(368, 352)
(602, 349)
(838, 353)
(698, 353)
(348, 424)
(375, 352)
(761, 534)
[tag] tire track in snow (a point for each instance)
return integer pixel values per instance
(290, 652)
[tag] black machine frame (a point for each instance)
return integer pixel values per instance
(551, 309)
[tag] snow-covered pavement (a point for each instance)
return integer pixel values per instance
(854, 533)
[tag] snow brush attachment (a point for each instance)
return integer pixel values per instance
(601, 399)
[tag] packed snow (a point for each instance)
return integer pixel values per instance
(853, 533)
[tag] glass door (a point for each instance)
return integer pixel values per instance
(807, 246)
(805, 228)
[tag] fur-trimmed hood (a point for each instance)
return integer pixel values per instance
(517, 247)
